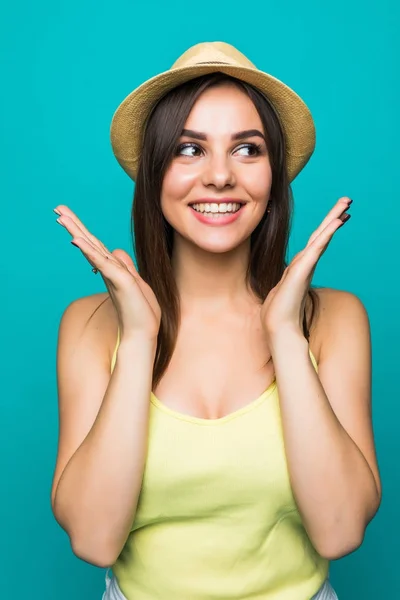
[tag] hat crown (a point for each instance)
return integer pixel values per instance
(212, 52)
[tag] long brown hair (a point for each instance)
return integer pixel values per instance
(153, 235)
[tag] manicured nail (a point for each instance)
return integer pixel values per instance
(58, 221)
(56, 211)
(344, 218)
(73, 243)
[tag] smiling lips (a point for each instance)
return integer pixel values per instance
(219, 213)
(214, 207)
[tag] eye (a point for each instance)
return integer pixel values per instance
(252, 149)
(188, 149)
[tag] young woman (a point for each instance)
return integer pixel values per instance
(215, 413)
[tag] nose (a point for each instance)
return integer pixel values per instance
(218, 172)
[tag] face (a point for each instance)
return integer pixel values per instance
(221, 162)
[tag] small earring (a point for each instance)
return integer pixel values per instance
(269, 207)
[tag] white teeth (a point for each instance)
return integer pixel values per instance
(214, 207)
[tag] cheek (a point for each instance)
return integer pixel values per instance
(177, 183)
(258, 183)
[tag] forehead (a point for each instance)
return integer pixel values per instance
(223, 108)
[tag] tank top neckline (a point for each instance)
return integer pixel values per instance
(211, 422)
(204, 421)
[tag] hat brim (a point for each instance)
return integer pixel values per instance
(128, 122)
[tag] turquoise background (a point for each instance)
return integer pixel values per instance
(65, 68)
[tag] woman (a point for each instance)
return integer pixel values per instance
(218, 487)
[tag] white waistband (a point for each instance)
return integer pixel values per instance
(112, 589)
(326, 592)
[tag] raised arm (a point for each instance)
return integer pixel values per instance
(103, 417)
(326, 418)
(327, 425)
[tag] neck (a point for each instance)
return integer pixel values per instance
(210, 282)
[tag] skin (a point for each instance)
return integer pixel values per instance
(326, 417)
(216, 168)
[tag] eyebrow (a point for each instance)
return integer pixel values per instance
(239, 135)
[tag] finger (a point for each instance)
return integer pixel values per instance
(323, 239)
(308, 258)
(93, 255)
(75, 230)
(126, 260)
(64, 211)
(122, 256)
(339, 209)
(128, 263)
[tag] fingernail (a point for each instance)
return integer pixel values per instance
(58, 221)
(56, 211)
(73, 243)
(350, 201)
(344, 219)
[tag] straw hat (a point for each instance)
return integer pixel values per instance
(128, 122)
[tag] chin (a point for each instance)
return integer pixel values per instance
(214, 249)
(217, 244)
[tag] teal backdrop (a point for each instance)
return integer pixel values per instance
(65, 67)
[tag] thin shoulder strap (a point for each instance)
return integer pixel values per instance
(114, 356)
(313, 360)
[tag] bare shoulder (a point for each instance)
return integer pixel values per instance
(91, 318)
(338, 299)
(337, 311)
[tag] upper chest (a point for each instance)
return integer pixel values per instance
(219, 365)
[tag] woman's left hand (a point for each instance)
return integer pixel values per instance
(283, 308)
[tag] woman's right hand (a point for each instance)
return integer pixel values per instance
(136, 305)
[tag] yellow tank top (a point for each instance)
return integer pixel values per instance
(216, 516)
